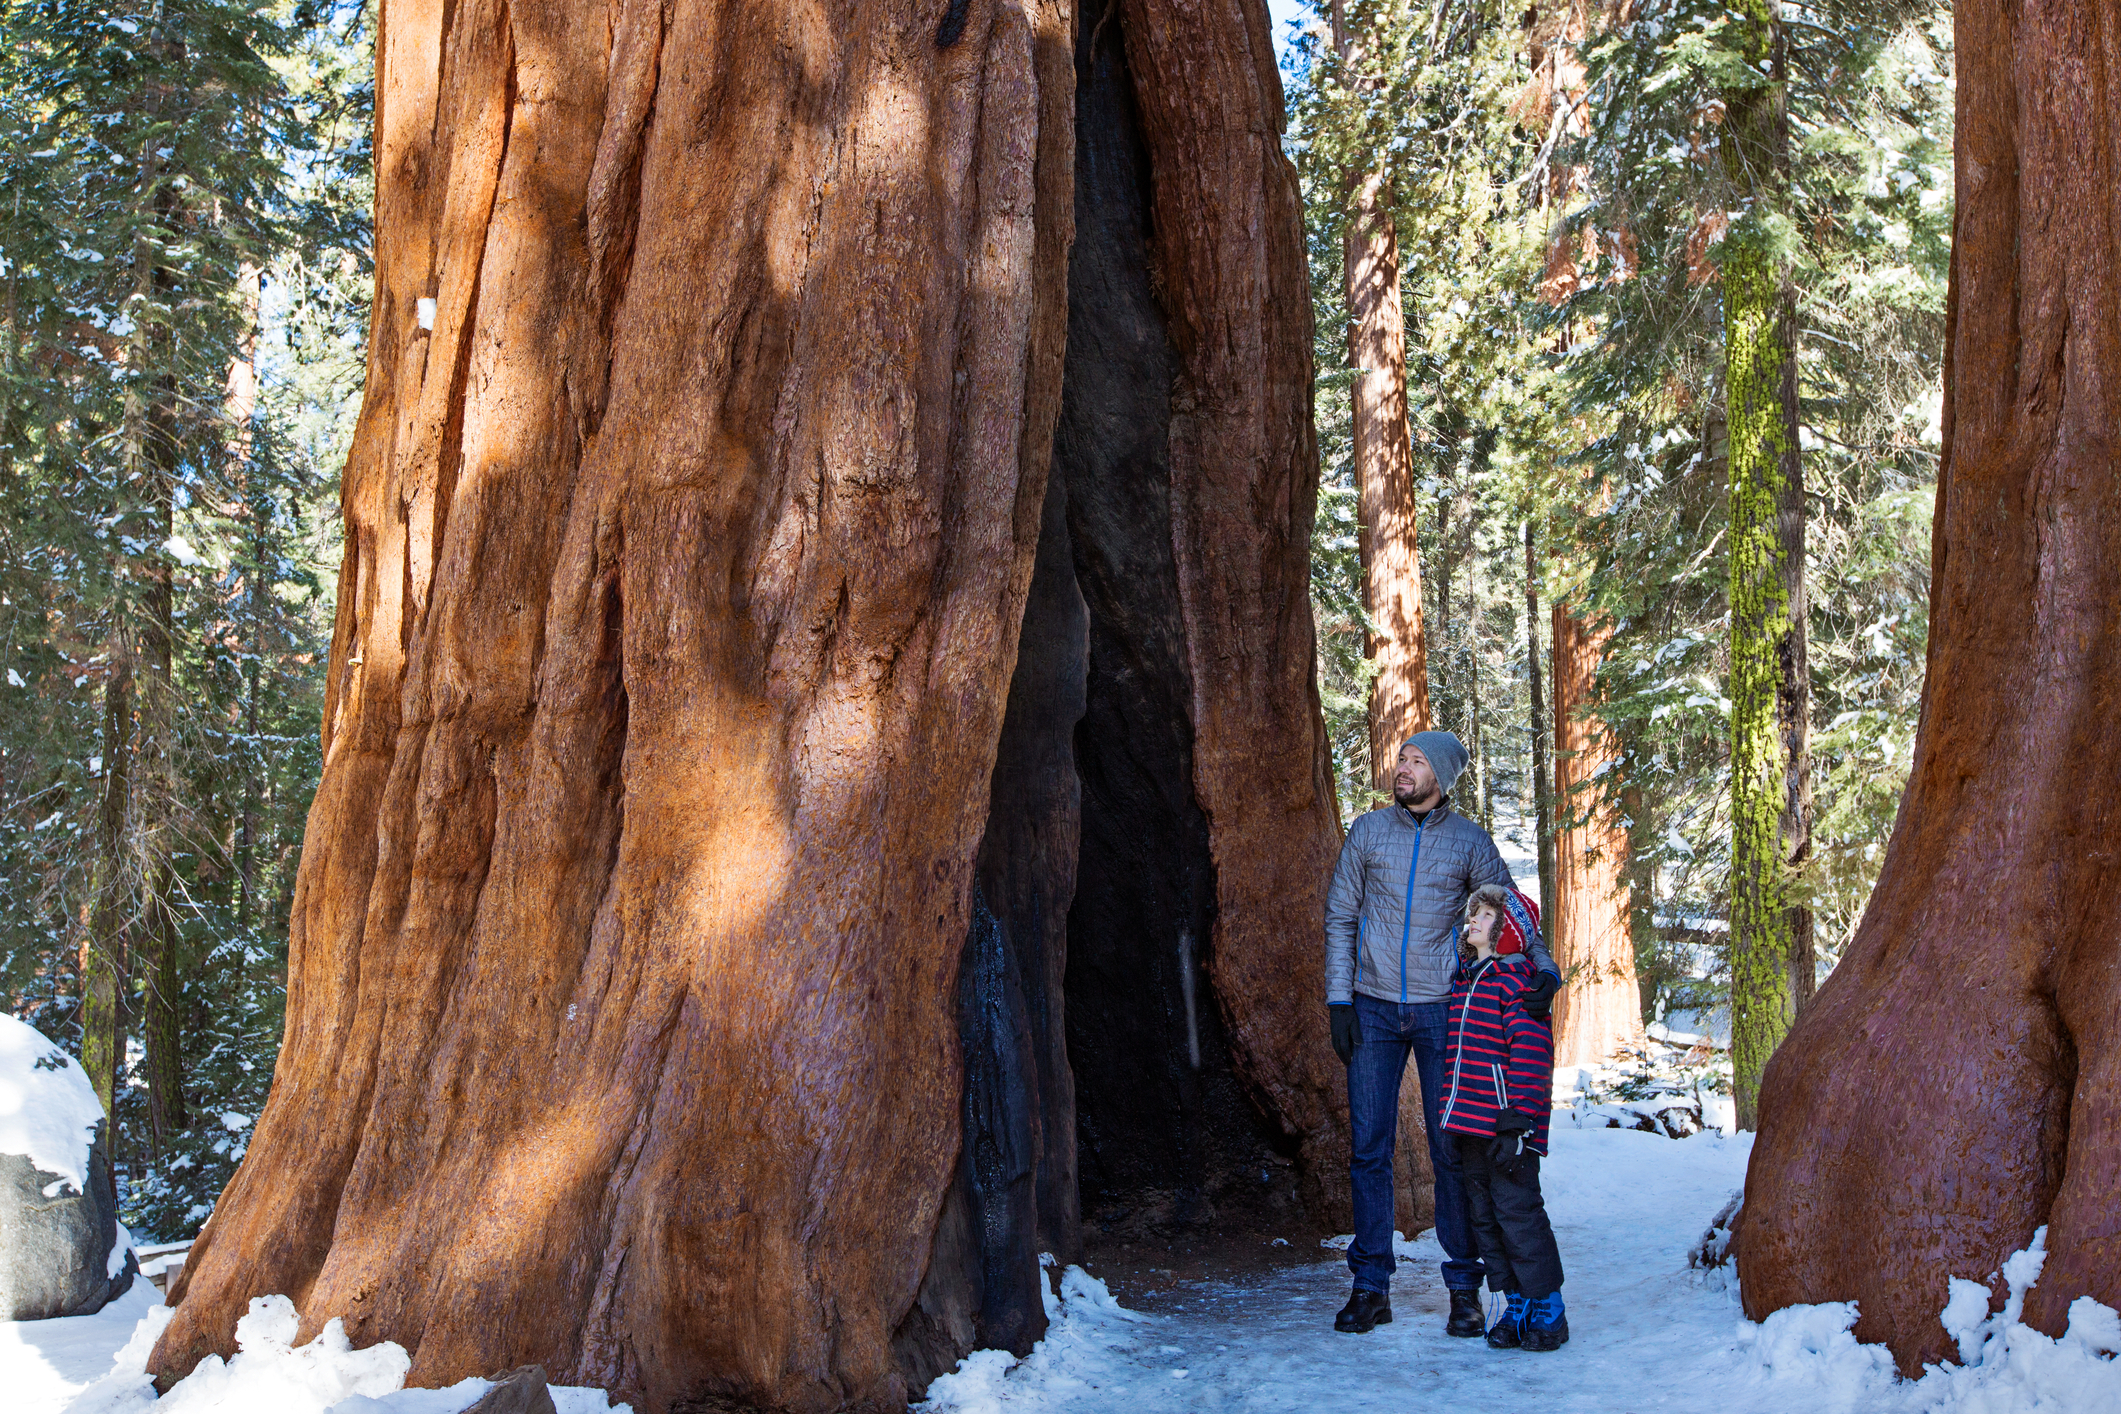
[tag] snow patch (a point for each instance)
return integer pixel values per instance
(48, 1110)
(1086, 1329)
(2007, 1367)
(1812, 1347)
(270, 1374)
(122, 1244)
(1422, 1244)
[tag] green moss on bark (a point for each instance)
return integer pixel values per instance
(1769, 798)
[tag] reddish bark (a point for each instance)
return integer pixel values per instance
(685, 556)
(1600, 1009)
(1244, 470)
(1384, 474)
(1384, 452)
(1952, 1086)
(667, 757)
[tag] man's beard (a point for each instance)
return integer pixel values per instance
(1411, 800)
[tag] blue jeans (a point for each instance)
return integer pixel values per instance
(1389, 1031)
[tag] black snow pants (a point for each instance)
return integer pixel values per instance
(1510, 1222)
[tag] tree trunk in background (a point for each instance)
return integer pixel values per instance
(1384, 471)
(242, 407)
(1953, 1085)
(104, 963)
(1542, 794)
(1599, 1008)
(1384, 460)
(161, 1018)
(1444, 565)
(1769, 677)
(694, 983)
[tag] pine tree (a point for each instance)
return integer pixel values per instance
(164, 158)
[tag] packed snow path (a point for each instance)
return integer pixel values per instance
(1647, 1332)
(1644, 1329)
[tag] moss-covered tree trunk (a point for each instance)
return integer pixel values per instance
(1953, 1087)
(1769, 680)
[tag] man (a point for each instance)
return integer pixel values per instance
(1392, 917)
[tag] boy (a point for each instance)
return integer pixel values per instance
(1497, 1101)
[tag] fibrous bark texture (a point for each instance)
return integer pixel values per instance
(685, 557)
(1195, 970)
(1383, 447)
(1600, 1008)
(1384, 471)
(1953, 1085)
(749, 776)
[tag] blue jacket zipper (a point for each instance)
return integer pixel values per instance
(1406, 917)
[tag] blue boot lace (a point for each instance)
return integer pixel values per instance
(1546, 1311)
(1518, 1303)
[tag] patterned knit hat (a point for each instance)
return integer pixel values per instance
(1519, 915)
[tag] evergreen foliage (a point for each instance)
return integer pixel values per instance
(185, 252)
(1564, 255)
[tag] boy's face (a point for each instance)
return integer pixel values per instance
(1480, 930)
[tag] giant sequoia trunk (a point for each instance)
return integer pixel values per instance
(1387, 537)
(1953, 1085)
(1387, 530)
(1601, 1008)
(699, 982)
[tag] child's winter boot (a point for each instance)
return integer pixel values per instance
(1545, 1326)
(1508, 1329)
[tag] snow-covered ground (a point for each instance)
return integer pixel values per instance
(1648, 1333)
(97, 1365)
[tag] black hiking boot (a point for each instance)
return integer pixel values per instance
(1467, 1317)
(1364, 1310)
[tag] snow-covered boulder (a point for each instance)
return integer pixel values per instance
(62, 1250)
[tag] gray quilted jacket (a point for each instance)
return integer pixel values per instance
(1397, 900)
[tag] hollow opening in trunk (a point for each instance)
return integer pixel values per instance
(1102, 1103)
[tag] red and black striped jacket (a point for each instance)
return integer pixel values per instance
(1499, 1056)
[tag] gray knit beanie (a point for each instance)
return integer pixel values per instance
(1446, 755)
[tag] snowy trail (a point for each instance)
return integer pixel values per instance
(1627, 1206)
(1647, 1332)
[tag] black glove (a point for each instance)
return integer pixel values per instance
(1539, 997)
(1347, 1032)
(1507, 1151)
